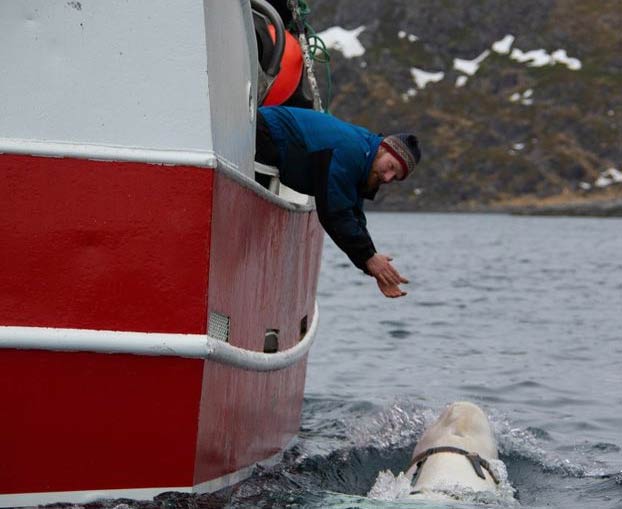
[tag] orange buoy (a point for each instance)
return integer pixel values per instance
(289, 76)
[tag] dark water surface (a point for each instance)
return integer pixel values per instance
(521, 315)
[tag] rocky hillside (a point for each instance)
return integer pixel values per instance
(516, 104)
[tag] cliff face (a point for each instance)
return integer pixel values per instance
(499, 123)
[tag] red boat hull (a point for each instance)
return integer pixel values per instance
(145, 248)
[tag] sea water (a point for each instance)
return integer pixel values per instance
(521, 315)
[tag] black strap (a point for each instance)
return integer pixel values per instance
(477, 462)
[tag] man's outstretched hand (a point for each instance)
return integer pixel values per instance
(387, 277)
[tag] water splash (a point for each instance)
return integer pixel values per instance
(514, 441)
(400, 424)
(390, 487)
(395, 488)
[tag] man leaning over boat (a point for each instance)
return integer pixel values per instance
(339, 164)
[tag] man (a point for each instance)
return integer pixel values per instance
(339, 164)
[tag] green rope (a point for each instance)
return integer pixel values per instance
(317, 48)
(303, 9)
(319, 53)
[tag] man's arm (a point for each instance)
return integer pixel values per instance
(337, 214)
(348, 229)
(348, 233)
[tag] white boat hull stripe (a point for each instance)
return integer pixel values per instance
(154, 344)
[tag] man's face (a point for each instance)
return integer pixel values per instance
(384, 170)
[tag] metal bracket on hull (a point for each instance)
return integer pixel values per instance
(155, 344)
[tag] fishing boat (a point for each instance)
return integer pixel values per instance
(157, 304)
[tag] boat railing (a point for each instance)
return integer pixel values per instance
(276, 187)
(285, 197)
(196, 346)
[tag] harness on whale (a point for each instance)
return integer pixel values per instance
(477, 462)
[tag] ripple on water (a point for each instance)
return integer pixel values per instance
(513, 353)
(431, 304)
(605, 447)
(524, 384)
(558, 403)
(539, 433)
(400, 333)
(438, 324)
(393, 323)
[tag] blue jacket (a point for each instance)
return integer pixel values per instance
(324, 157)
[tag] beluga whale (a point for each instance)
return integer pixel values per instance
(455, 454)
(456, 459)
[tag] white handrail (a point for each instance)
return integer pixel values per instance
(102, 152)
(155, 344)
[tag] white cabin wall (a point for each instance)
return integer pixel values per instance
(119, 73)
(232, 70)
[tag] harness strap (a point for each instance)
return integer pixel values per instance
(477, 462)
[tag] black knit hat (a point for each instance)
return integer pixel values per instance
(405, 148)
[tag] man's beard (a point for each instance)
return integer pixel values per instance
(368, 192)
